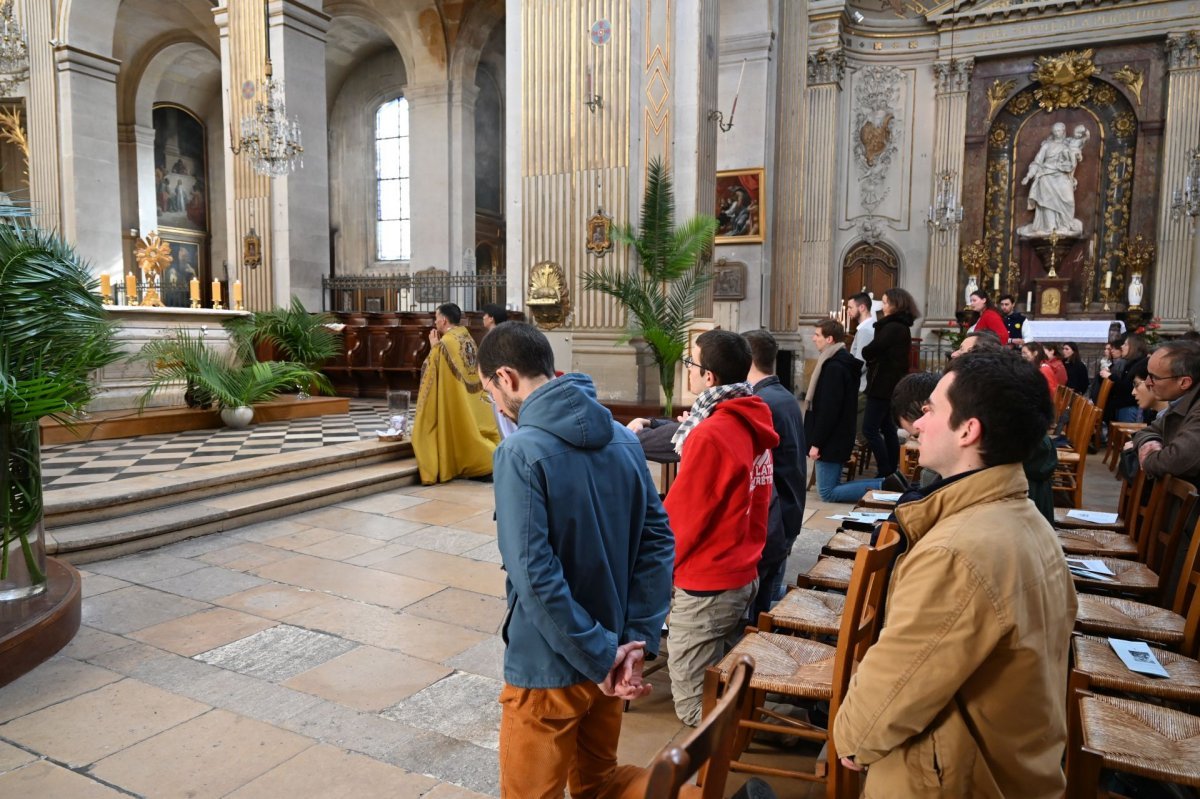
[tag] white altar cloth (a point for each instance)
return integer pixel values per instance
(1077, 330)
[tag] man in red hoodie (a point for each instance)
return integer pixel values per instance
(717, 507)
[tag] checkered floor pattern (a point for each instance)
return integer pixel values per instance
(100, 461)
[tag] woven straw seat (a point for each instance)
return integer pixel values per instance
(1097, 542)
(806, 611)
(1134, 737)
(1061, 519)
(785, 664)
(831, 573)
(1125, 618)
(1130, 577)
(844, 543)
(868, 502)
(1097, 666)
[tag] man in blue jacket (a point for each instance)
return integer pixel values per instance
(588, 552)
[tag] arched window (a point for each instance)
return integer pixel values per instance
(392, 187)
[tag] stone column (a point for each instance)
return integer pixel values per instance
(953, 79)
(1176, 295)
(462, 173)
(431, 170)
(825, 69)
(790, 174)
(42, 114)
(300, 200)
(87, 94)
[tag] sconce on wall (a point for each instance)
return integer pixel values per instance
(718, 117)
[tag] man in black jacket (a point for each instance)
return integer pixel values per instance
(830, 413)
(787, 498)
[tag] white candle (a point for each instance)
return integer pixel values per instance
(996, 281)
(1029, 300)
(1108, 280)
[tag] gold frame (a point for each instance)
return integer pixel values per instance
(724, 184)
(602, 224)
(183, 236)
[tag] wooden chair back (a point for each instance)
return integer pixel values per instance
(709, 746)
(1187, 597)
(1062, 399)
(1166, 527)
(1106, 387)
(862, 620)
(1084, 416)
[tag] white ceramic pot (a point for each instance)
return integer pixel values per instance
(1135, 290)
(237, 418)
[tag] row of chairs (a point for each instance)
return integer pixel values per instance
(1082, 422)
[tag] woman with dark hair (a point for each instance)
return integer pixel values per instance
(888, 357)
(1121, 406)
(1035, 353)
(989, 317)
(1054, 358)
(1077, 371)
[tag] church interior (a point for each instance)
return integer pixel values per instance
(245, 611)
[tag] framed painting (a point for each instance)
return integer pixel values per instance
(599, 234)
(187, 262)
(741, 210)
(180, 169)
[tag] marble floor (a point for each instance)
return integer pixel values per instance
(347, 651)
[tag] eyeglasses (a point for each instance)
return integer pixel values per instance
(1153, 378)
(689, 363)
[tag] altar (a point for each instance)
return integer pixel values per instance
(1082, 331)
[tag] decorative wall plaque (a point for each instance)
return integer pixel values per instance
(729, 280)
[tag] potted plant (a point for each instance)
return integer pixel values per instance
(294, 333)
(183, 357)
(54, 333)
(660, 292)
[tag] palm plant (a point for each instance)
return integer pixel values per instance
(661, 291)
(298, 335)
(184, 357)
(54, 333)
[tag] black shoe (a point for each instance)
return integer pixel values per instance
(755, 789)
(895, 482)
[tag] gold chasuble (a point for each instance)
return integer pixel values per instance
(455, 432)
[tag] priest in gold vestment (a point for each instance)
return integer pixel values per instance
(455, 432)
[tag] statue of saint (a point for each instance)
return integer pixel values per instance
(1052, 196)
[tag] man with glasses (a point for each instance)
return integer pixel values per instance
(718, 507)
(1171, 444)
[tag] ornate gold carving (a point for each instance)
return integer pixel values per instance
(998, 137)
(953, 75)
(1132, 79)
(1064, 79)
(599, 233)
(997, 93)
(1104, 95)
(12, 132)
(1116, 213)
(153, 256)
(1125, 125)
(1137, 255)
(1021, 103)
(1051, 302)
(974, 257)
(548, 301)
(1183, 51)
(826, 66)
(875, 138)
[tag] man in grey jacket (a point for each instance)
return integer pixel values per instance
(1171, 444)
(588, 552)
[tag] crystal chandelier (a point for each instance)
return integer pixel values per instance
(14, 56)
(945, 214)
(1187, 199)
(269, 140)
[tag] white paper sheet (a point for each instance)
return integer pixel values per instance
(885, 496)
(1138, 656)
(1090, 564)
(1093, 516)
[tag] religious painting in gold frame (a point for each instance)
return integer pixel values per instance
(740, 206)
(599, 233)
(188, 260)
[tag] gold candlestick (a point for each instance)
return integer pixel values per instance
(1053, 248)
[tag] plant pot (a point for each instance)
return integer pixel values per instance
(23, 539)
(237, 418)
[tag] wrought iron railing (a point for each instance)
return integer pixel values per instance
(421, 292)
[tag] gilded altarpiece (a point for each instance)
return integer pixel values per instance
(1115, 195)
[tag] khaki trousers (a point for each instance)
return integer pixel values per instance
(554, 737)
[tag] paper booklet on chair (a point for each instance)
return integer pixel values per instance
(1092, 516)
(1138, 656)
(1091, 566)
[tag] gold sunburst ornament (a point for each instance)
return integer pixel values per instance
(153, 256)
(1063, 79)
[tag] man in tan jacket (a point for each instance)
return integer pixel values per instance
(964, 695)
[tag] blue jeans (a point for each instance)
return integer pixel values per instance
(828, 475)
(1131, 414)
(879, 429)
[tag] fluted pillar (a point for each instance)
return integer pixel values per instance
(1174, 285)
(953, 79)
(825, 69)
(790, 175)
(42, 113)
(91, 220)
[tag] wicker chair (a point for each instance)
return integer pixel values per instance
(1177, 627)
(808, 670)
(1072, 460)
(1129, 542)
(1133, 737)
(1118, 434)
(829, 573)
(845, 543)
(707, 748)
(1161, 547)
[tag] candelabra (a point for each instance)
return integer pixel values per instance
(14, 55)
(945, 214)
(1187, 199)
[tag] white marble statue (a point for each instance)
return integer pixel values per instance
(1052, 196)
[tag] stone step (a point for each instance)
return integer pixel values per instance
(102, 521)
(121, 498)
